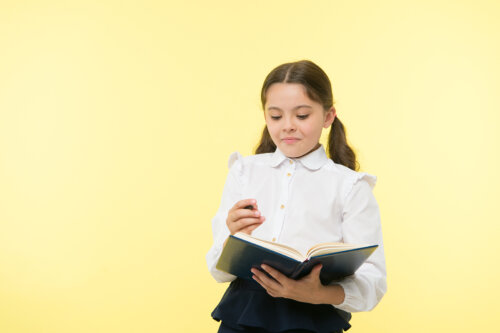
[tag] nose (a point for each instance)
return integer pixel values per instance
(289, 124)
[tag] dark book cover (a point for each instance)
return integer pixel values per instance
(239, 256)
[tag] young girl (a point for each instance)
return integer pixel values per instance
(298, 197)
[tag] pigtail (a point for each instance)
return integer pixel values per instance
(266, 144)
(339, 150)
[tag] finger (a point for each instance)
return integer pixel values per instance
(243, 223)
(251, 221)
(277, 275)
(242, 204)
(259, 281)
(252, 227)
(240, 226)
(239, 214)
(251, 207)
(270, 282)
(248, 230)
(242, 213)
(317, 269)
(245, 202)
(234, 216)
(270, 291)
(315, 273)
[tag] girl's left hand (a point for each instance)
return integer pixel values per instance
(308, 289)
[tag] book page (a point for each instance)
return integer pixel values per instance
(280, 248)
(327, 248)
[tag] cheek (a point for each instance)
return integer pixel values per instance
(273, 130)
(307, 128)
(312, 130)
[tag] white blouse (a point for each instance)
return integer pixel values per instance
(306, 201)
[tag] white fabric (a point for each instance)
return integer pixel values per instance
(307, 201)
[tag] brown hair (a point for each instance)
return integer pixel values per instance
(319, 89)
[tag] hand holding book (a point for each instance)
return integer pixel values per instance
(308, 289)
(243, 252)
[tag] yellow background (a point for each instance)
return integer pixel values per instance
(117, 119)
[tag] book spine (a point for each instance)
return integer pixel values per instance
(301, 270)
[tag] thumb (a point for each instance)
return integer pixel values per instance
(316, 272)
(317, 269)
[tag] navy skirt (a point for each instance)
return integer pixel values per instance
(247, 307)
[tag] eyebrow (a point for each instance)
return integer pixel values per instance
(295, 108)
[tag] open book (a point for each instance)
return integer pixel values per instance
(242, 252)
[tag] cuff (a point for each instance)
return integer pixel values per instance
(349, 299)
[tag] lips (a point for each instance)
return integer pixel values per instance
(290, 140)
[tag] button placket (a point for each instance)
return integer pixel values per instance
(289, 170)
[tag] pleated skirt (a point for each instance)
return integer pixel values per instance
(247, 307)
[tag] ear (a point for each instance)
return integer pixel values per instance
(330, 117)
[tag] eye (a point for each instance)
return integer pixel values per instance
(275, 117)
(302, 116)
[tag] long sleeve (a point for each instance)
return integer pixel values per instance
(230, 195)
(361, 225)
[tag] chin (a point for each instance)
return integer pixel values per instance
(295, 152)
(292, 153)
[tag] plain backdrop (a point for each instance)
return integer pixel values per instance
(117, 119)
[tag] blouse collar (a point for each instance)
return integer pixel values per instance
(313, 161)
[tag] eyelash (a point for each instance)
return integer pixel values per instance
(301, 117)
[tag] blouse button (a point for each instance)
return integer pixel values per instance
(282, 206)
(289, 174)
(291, 162)
(274, 239)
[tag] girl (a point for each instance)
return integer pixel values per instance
(299, 197)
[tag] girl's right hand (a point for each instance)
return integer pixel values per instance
(241, 219)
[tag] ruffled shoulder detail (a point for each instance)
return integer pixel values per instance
(236, 167)
(236, 161)
(358, 177)
(352, 177)
(370, 179)
(235, 156)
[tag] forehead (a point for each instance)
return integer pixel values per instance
(287, 95)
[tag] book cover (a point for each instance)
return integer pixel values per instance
(240, 255)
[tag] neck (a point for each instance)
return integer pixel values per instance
(310, 151)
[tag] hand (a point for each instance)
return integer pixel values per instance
(308, 289)
(303, 290)
(241, 219)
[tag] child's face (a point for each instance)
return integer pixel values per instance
(294, 121)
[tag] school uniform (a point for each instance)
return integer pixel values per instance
(306, 201)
